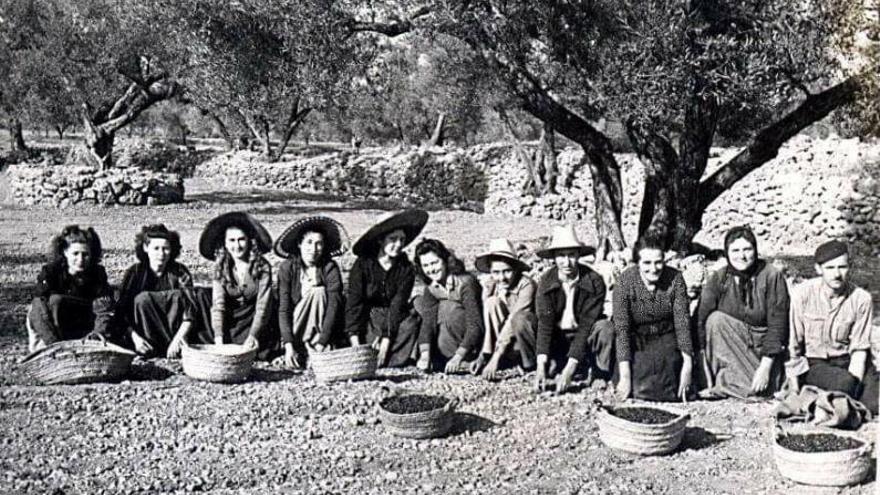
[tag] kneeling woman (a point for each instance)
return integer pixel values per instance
(652, 326)
(156, 305)
(241, 290)
(452, 319)
(310, 310)
(743, 321)
(73, 298)
(380, 285)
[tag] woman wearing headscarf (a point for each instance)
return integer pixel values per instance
(156, 307)
(653, 328)
(311, 311)
(380, 286)
(451, 310)
(241, 286)
(73, 298)
(742, 321)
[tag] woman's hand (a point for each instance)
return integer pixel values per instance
(624, 384)
(454, 364)
(384, 345)
(490, 372)
(291, 360)
(684, 380)
(424, 362)
(761, 379)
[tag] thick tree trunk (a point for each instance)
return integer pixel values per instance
(16, 135)
(437, 136)
(60, 130)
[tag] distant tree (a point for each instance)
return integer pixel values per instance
(266, 64)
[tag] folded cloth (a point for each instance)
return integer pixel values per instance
(822, 408)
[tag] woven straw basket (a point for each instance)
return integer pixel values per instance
(842, 468)
(640, 438)
(428, 424)
(222, 363)
(348, 363)
(78, 361)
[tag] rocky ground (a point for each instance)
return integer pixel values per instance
(162, 432)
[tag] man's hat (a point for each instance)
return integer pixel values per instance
(500, 250)
(564, 237)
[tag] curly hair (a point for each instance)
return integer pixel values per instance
(156, 231)
(224, 264)
(72, 234)
(453, 265)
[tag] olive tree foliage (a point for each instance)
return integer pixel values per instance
(412, 85)
(266, 64)
(679, 74)
(32, 87)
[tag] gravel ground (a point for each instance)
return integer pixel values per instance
(162, 432)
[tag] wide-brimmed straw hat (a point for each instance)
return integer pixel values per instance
(500, 250)
(336, 239)
(411, 222)
(564, 237)
(215, 232)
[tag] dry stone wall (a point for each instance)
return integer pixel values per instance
(63, 186)
(451, 177)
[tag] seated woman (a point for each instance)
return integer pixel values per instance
(452, 319)
(652, 323)
(241, 289)
(508, 308)
(73, 298)
(380, 285)
(311, 307)
(742, 321)
(830, 325)
(156, 305)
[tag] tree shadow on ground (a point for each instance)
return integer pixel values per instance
(146, 371)
(402, 378)
(697, 438)
(463, 422)
(259, 195)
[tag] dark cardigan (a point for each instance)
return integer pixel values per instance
(369, 286)
(91, 286)
(290, 294)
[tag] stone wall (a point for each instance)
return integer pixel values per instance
(452, 177)
(815, 189)
(67, 185)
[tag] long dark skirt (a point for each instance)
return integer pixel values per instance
(158, 316)
(403, 340)
(656, 366)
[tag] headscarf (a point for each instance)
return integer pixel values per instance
(744, 277)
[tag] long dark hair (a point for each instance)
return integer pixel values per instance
(224, 264)
(156, 231)
(454, 265)
(75, 234)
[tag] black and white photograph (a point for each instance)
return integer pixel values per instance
(439, 247)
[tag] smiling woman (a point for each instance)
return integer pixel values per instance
(73, 296)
